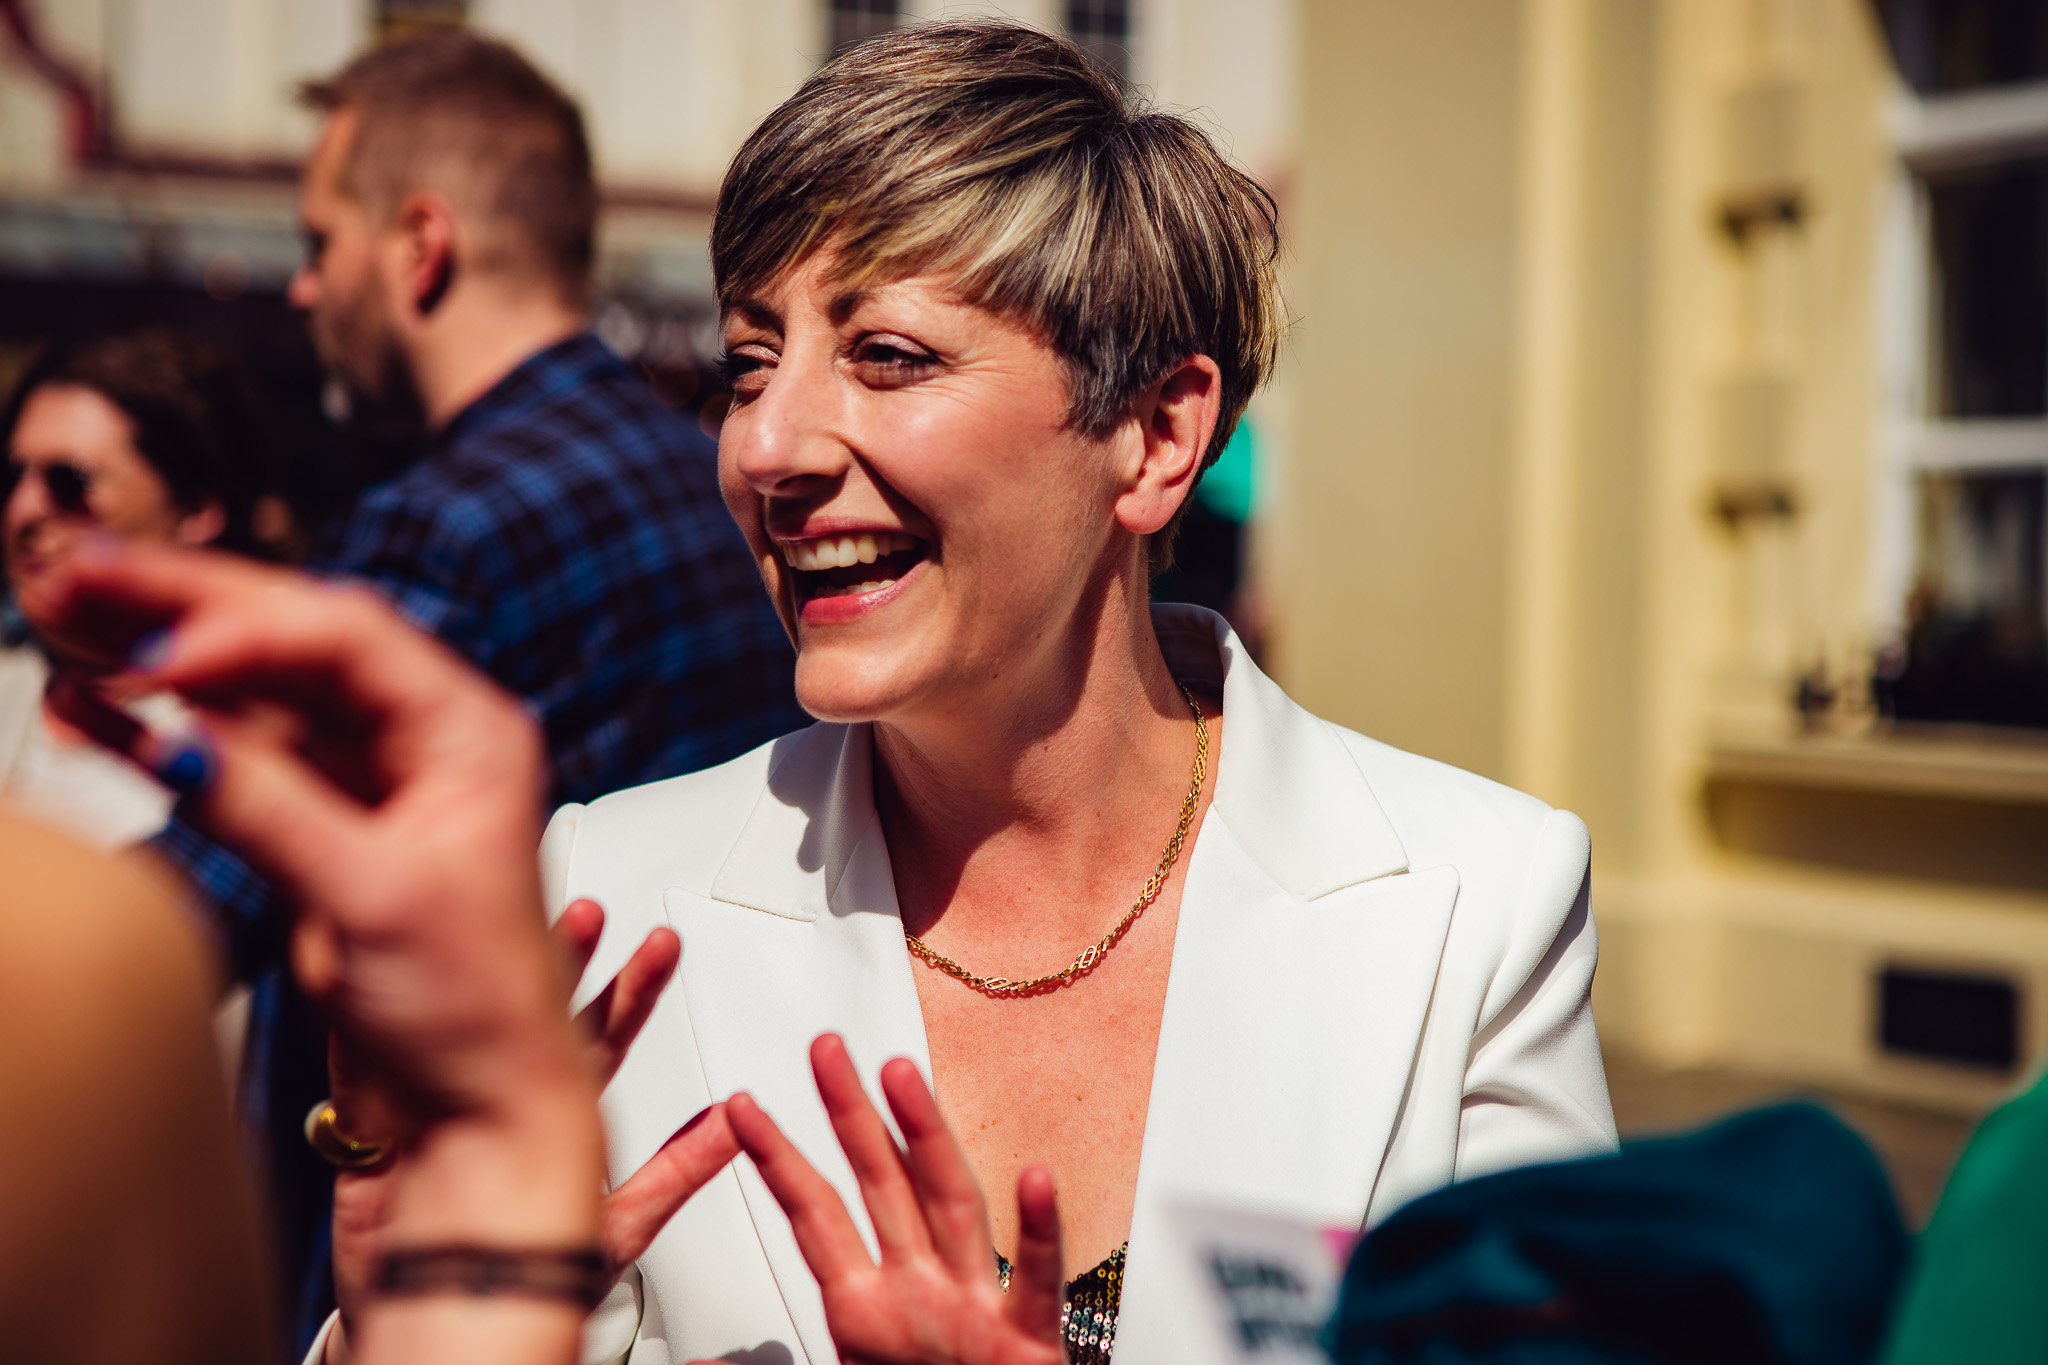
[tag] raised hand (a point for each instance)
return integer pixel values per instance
(633, 1213)
(395, 793)
(933, 1297)
(638, 1210)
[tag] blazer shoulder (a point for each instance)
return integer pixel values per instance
(1514, 852)
(1432, 796)
(678, 830)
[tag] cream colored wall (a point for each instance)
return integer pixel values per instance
(1519, 321)
(670, 87)
(215, 76)
(1391, 570)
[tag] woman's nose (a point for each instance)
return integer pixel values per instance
(29, 500)
(788, 435)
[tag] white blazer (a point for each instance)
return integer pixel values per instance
(1379, 985)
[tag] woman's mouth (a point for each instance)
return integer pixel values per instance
(851, 565)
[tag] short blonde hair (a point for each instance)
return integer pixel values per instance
(1008, 159)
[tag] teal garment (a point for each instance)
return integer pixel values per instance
(1978, 1290)
(1230, 488)
(1770, 1238)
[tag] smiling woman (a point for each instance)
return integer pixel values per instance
(147, 438)
(1152, 931)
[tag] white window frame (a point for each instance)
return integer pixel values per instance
(1932, 133)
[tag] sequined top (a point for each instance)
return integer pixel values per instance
(1088, 1313)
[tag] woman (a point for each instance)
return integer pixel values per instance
(986, 326)
(149, 438)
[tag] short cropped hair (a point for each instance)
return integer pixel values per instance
(198, 420)
(470, 117)
(1010, 160)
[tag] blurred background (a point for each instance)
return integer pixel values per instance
(1663, 430)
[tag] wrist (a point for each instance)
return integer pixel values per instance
(530, 1176)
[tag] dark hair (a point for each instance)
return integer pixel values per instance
(1009, 159)
(198, 420)
(470, 117)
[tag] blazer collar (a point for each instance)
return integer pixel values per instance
(819, 804)
(1286, 784)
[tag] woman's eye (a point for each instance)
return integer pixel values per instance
(891, 362)
(746, 372)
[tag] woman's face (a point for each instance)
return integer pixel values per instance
(925, 520)
(74, 469)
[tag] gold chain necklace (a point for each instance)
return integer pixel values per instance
(1094, 952)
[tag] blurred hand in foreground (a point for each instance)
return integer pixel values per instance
(394, 792)
(933, 1298)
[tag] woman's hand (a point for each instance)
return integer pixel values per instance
(637, 1211)
(933, 1298)
(632, 1214)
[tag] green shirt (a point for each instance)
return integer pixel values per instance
(1978, 1290)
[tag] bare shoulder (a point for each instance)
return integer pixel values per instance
(70, 913)
(125, 1228)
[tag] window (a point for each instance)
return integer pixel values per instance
(856, 20)
(1103, 29)
(1970, 379)
(1946, 46)
(1989, 250)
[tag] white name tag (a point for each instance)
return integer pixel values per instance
(1249, 1289)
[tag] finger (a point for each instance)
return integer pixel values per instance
(616, 1017)
(362, 1109)
(243, 628)
(825, 1231)
(871, 1150)
(265, 772)
(575, 935)
(947, 1192)
(265, 801)
(226, 615)
(1036, 1288)
(639, 1209)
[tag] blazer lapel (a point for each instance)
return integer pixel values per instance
(1303, 968)
(827, 955)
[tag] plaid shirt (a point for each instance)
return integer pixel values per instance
(567, 535)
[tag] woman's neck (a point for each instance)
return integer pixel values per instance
(1038, 807)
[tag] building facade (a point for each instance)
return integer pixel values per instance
(1670, 442)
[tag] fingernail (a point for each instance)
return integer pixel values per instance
(149, 652)
(188, 764)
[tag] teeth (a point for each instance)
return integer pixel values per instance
(841, 552)
(853, 589)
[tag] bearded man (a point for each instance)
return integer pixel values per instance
(563, 529)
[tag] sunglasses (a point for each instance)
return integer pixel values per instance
(67, 484)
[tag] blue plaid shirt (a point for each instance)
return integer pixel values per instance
(567, 535)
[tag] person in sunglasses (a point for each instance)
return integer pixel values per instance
(147, 437)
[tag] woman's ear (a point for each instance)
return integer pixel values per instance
(202, 527)
(1175, 420)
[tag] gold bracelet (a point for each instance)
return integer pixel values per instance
(324, 1136)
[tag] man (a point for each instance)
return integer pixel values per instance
(564, 530)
